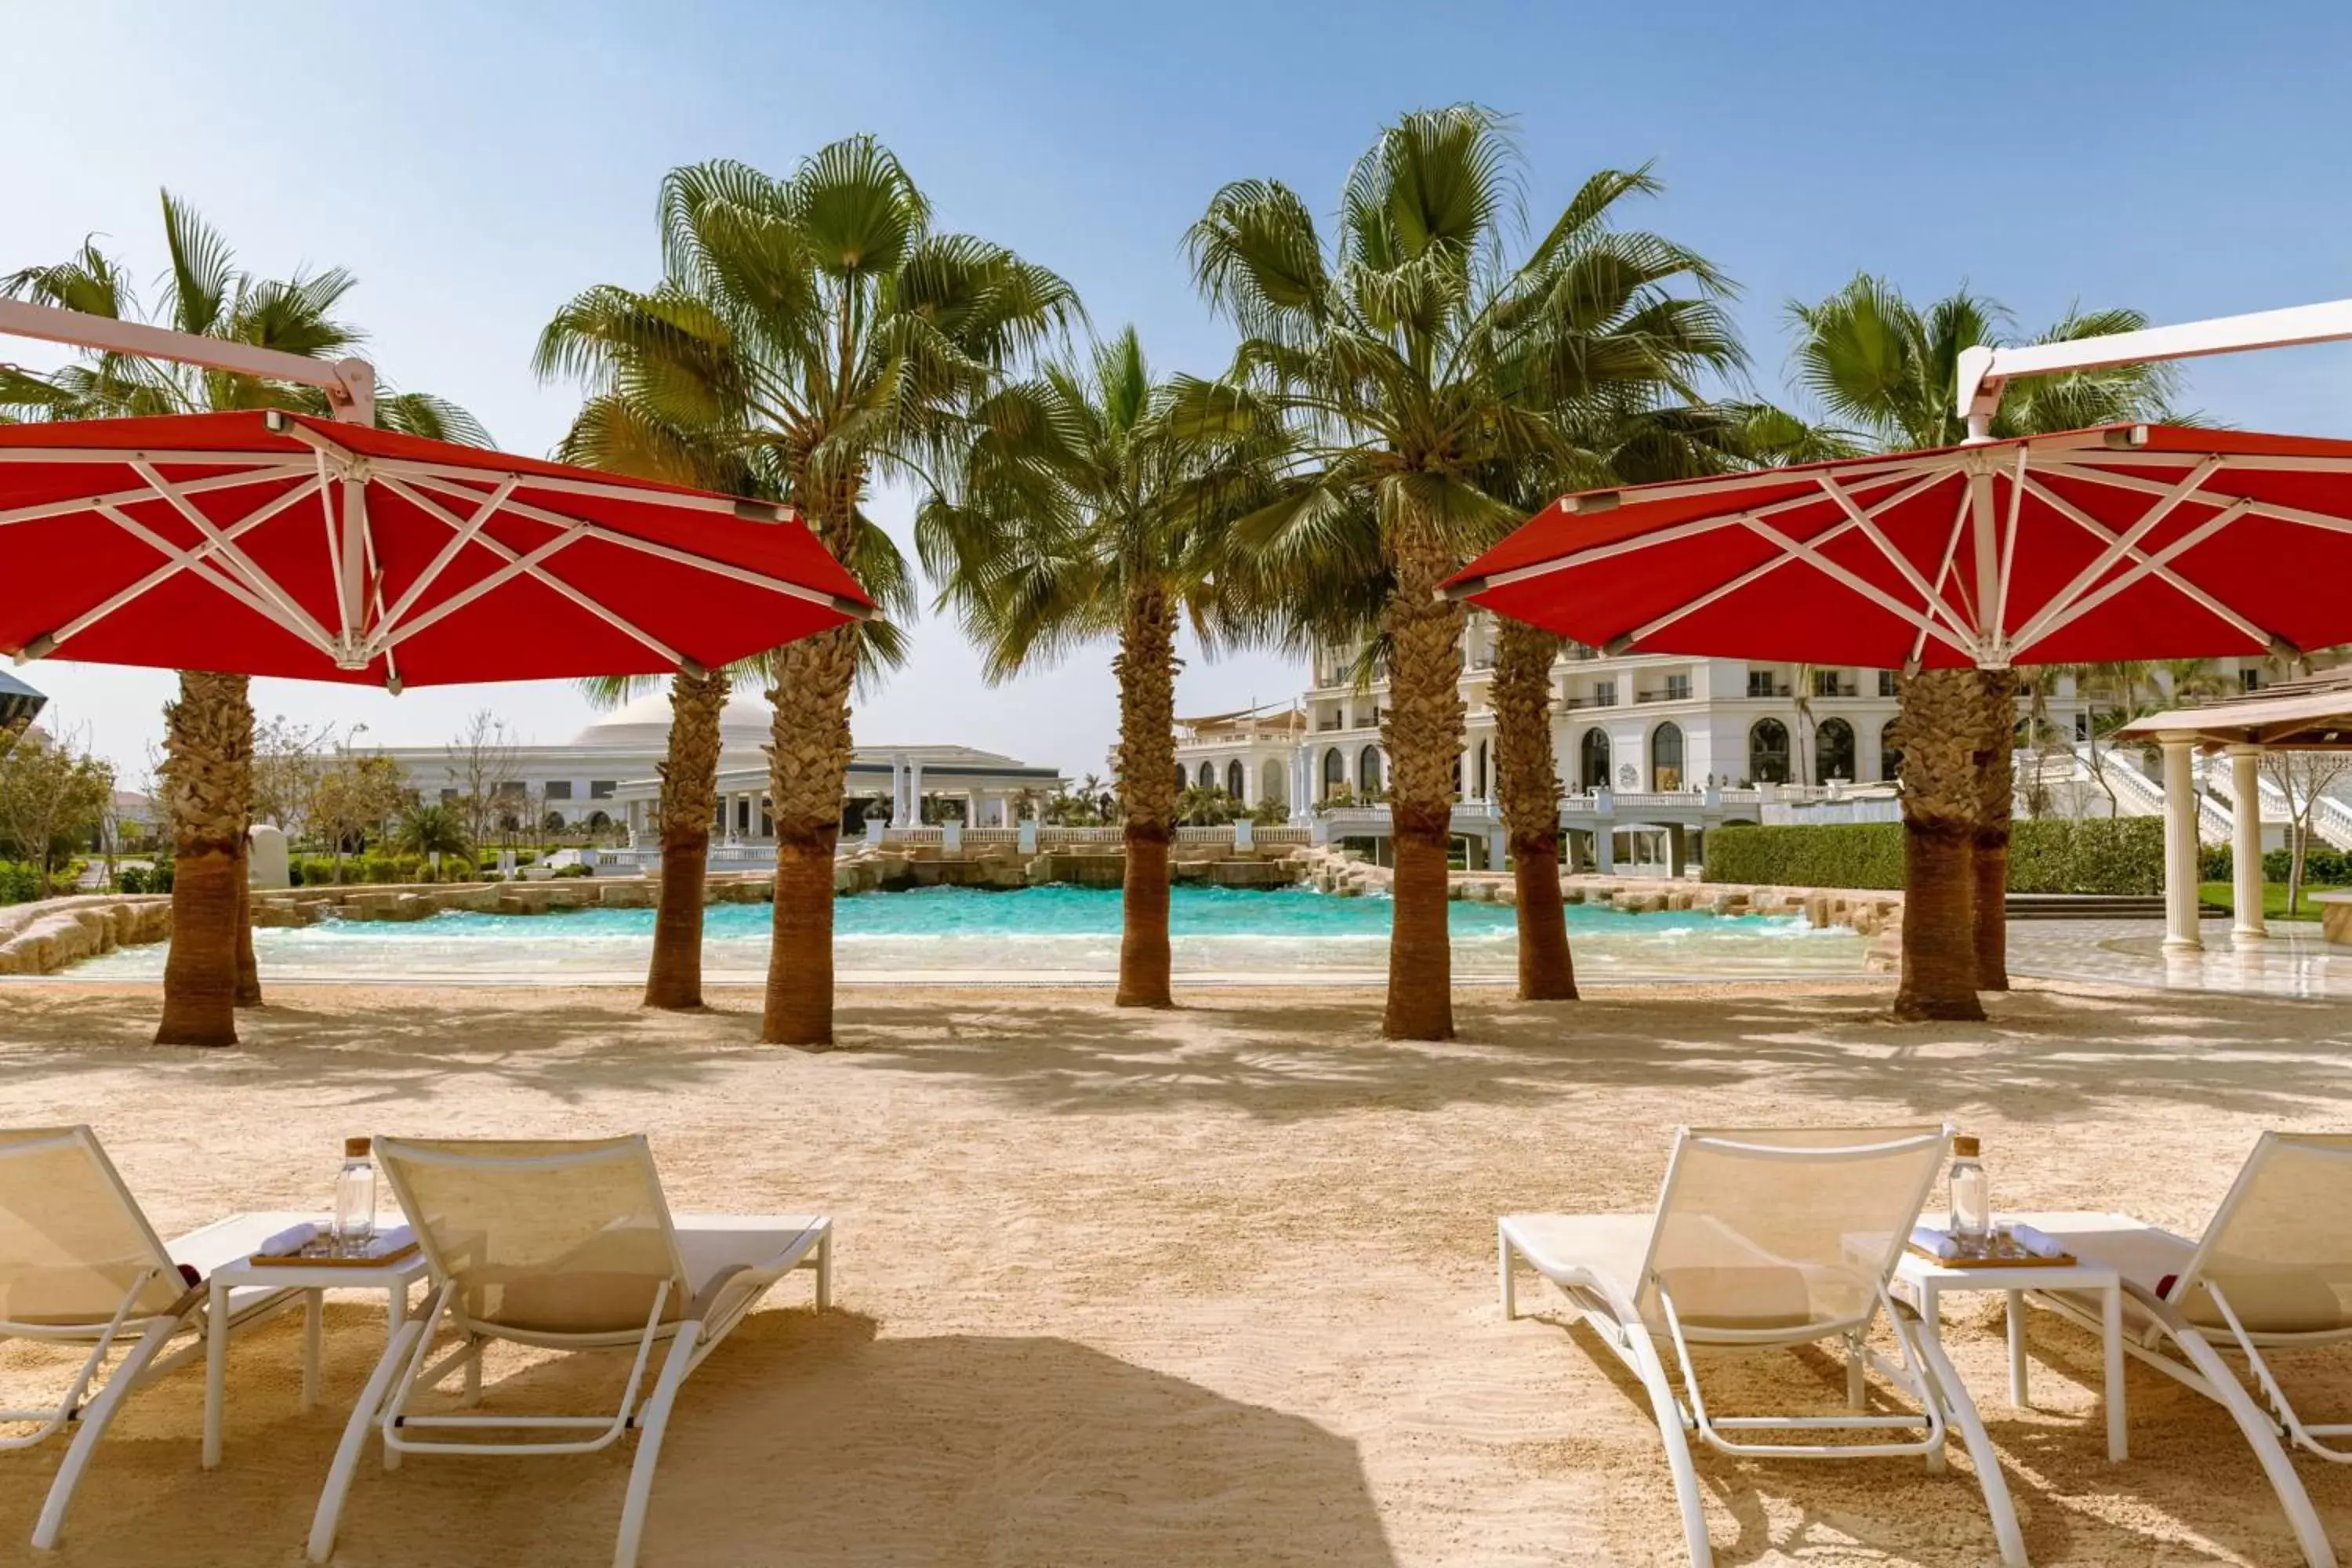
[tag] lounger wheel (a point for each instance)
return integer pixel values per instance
(91, 1427)
(330, 1512)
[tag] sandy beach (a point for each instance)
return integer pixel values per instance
(1214, 1286)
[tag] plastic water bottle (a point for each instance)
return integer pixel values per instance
(1972, 1200)
(355, 1225)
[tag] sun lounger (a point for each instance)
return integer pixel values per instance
(2272, 1272)
(1763, 1240)
(79, 1264)
(570, 1246)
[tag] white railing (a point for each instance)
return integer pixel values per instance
(1056, 837)
(2122, 772)
(911, 837)
(990, 838)
(1284, 835)
(1222, 834)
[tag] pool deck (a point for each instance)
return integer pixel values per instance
(2296, 962)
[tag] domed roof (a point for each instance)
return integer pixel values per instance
(644, 725)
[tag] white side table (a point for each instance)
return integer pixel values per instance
(392, 1278)
(1922, 1283)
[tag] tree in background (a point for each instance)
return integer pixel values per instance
(1094, 504)
(284, 764)
(205, 294)
(2302, 777)
(354, 793)
(485, 772)
(54, 797)
(1883, 368)
(425, 830)
(1413, 358)
(820, 329)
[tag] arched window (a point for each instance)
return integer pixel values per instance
(1890, 755)
(597, 819)
(1236, 778)
(1833, 751)
(1592, 758)
(1184, 779)
(1767, 751)
(1208, 775)
(1484, 781)
(1271, 785)
(1334, 773)
(1368, 771)
(1666, 757)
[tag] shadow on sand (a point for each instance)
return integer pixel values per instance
(805, 1437)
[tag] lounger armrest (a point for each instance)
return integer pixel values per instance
(706, 1299)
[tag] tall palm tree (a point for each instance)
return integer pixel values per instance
(1413, 356)
(817, 326)
(1093, 506)
(1884, 368)
(208, 730)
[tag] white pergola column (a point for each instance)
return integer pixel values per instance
(898, 790)
(914, 791)
(2246, 843)
(2180, 848)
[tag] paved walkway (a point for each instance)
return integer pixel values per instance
(2293, 963)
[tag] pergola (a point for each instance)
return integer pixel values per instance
(2313, 715)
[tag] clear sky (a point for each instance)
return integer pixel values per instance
(475, 165)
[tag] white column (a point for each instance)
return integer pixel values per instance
(914, 791)
(2179, 848)
(898, 790)
(2246, 843)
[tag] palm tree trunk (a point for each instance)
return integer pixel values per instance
(1146, 668)
(207, 780)
(689, 795)
(1423, 733)
(1528, 785)
(1995, 803)
(248, 972)
(1937, 725)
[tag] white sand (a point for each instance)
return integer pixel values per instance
(1209, 1287)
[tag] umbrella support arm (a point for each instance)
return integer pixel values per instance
(1985, 372)
(349, 384)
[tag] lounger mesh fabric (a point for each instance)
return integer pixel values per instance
(543, 1237)
(1762, 1230)
(71, 1246)
(2280, 1252)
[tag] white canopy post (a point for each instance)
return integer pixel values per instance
(2246, 845)
(2180, 849)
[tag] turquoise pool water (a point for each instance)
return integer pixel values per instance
(1031, 932)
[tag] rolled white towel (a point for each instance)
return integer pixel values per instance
(289, 1241)
(2040, 1243)
(396, 1239)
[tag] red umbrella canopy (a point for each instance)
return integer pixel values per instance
(263, 543)
(2134, 541)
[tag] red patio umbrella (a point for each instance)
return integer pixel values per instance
(2132, 541)
(2126, 542)
(263, 543)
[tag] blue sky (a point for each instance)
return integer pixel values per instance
(476, 165)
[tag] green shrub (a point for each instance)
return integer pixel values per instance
(2051, 854)
(19, 883)
(571, 871)
(1831, 854)
(2322, 867)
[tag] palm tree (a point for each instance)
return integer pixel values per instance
(208, 730)
(431, 829)
(1413, 359)
(1093, 505)
(819, 330)
(1884, 368)
(689, 802)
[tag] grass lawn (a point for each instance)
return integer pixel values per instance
(2273, 899)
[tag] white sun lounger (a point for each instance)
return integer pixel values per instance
(566, 1245)
(79, 1264)
(2272, 1271)
(1762, 1240)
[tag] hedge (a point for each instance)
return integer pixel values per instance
(20, 882)
(2322, 867)
(319, 870)
(2048, 855)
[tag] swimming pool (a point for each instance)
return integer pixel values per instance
(1030, 934)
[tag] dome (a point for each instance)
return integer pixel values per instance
(643, 725)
